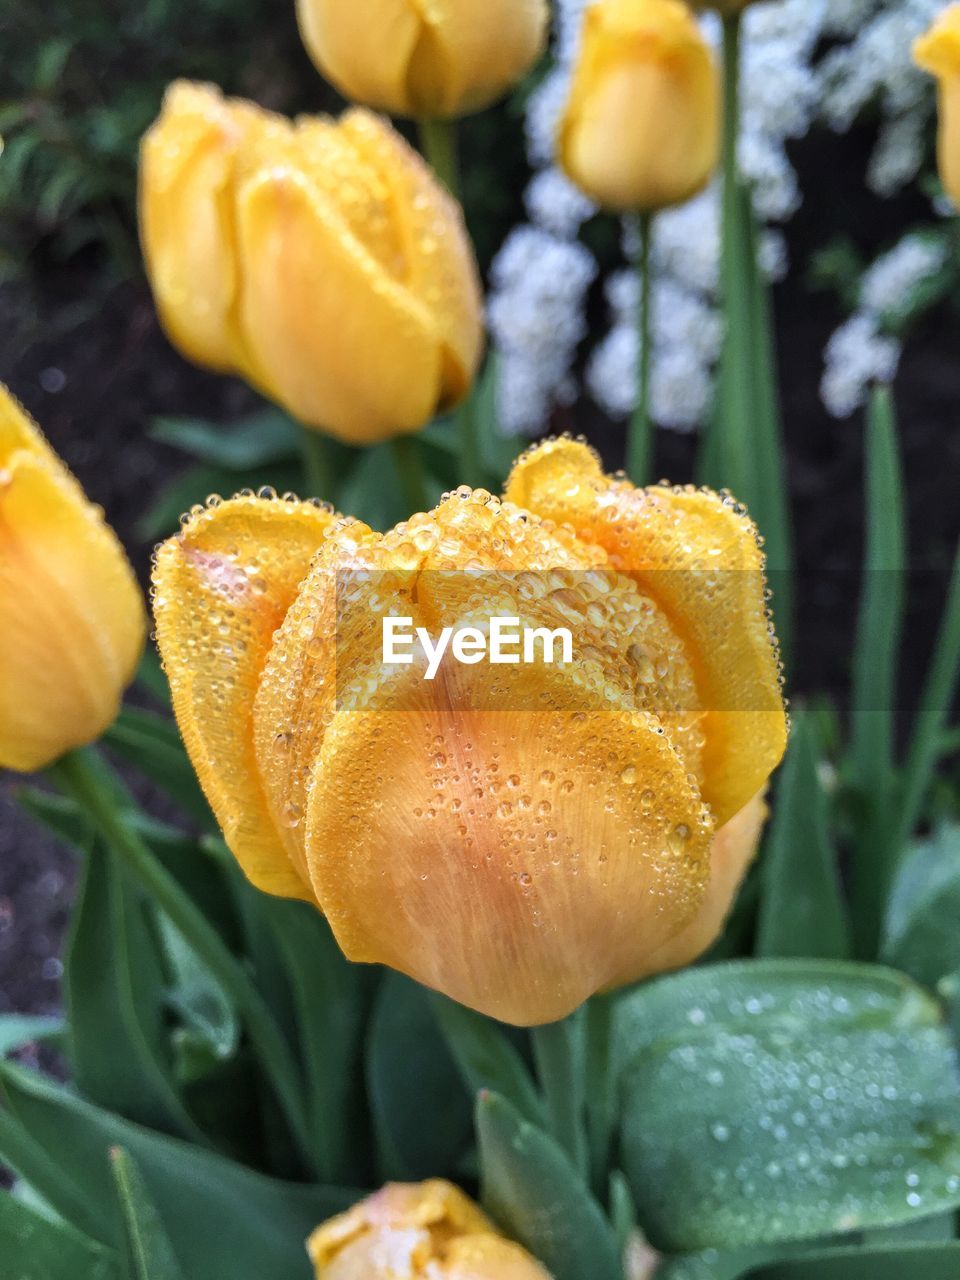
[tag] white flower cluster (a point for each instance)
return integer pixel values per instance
(860, 353)
(541, 277)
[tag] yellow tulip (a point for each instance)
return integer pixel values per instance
(939, 53)
(72, 620)
(447, 58)
(641, 129)
(187, 173)
(409, 1231)
(517, 837)
(321, 260)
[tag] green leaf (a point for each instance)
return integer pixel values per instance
(221, 1218)
(263, 438)
(802, 912)
(114, 987)
(332, 999)
(533, 1192)
(487, 1058)
(422, 1115)
(19, 1029)
(162, 518)
(874, 673)
(196, 994)
(33, 1247)
(152, 744)
(150, 1249)
(921, 1262)
(937, 699)
(781, 1100)
(922, 937)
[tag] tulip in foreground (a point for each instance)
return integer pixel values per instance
(319, 259)
(411, 1231)
(72, 620)
(438, 60)
(641, 128)
(939, 53)
(515, 836)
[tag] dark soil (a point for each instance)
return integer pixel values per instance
(91, 364)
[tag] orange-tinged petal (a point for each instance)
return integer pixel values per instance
(341, 345)
(516, 860)
(697, 555)
(489, 1258)
(731, 854)
(307, 666)
(72, 620)
(223, 587)
(425, 1231)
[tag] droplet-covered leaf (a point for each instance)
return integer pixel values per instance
(786, 1100)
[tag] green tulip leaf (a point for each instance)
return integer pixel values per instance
(221, 1219)
(422, 1115)
(262, 438)
(778, 1100)
(919, 1262)
(533, 1191)
(802, 912)
(487, 1058)
(922, 936)
(150, 1250)
(19, 1029)
(36, 1247)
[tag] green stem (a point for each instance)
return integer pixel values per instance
(317, 472)
(640, 445)
(83, 776)
(601, 1094)
(558, 1053)
(406, 457)
(438, 142)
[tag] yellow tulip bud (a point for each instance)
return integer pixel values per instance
(359, 300)
(447, 58)
(641, 129)
(515, 836)
(405, 1232)
(939, 53)
(187, 171)
(72, 620)
(321, 260)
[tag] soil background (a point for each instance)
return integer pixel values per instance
(88, 360)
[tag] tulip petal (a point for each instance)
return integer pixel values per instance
(187, 167)
(490, 1258)
(72, 621)
(439, 264)
(733, 850)
(469, 55)
(340, 344)
(223, 587)
(495, 855)
(697, 554)
(309, 663)
(337, 37)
